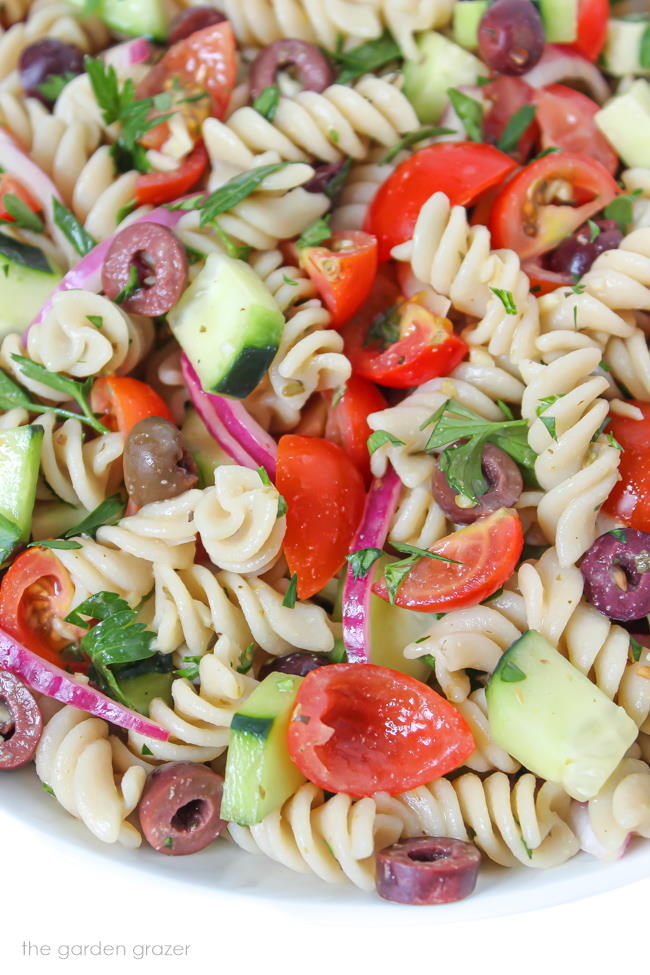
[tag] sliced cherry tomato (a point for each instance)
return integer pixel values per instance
(461, 170)
(592, 28)
(526, 222)
(35, 596)
(488, 551)
(204, 61)
(13, 187)
(400, 343)
(506, 96)
(566, 120)
(122, 402)
(343, 272)
(361, 729)
(630, 499)
(347, 420)
(325, 497)
(162, 187)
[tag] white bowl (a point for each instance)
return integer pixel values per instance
(228, 871)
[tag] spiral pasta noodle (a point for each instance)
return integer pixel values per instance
(418, 519)
(620, 810)
(458, 262)
(75, 759)
(488, 756)
(97, 568)
(163, 532)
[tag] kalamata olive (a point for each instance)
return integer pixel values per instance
(617, 574)
(21, 723)
(300, 664)
(157, 464)
(511, 36)
(577, 253)
(179, 809)
(189, 21)
(323, 176)
(45, 58)
(427, 870)
(505, 485)
(316, 72)
(160, 263)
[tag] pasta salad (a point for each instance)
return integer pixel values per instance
(325, 429)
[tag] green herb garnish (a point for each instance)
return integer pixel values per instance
(470, 113)
(517, 125)
(315, 234)
(267, 102)
(11, 395)
(21, 213)
(412, 139)
(246, 658)
(366, 58)
(620, 209)
(130, 288)
(381, 437)
(66, 221)
(362, 561)
(53, 85)
(290, 595)
(506, 299)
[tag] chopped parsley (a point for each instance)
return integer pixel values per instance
(290, 595)
(381, 437)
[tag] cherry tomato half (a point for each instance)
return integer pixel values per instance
(361, 729)
(630, 498)
(347, 420)
(13, 187)
(488, 551)
(343, 272)
(36, 592)
(325, 498)
(591, 28)
(162, 187)
(566, 120)
(507, 95)
(400, 343)
(121, 402)
(524, 221)
(461, 170)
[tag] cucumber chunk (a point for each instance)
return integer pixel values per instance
(51, 519)
(554, 720)
(441, 65)
(560, 19)
(467, 17)
(229, 326)
(20, 457)
(625, 121)
(27, 279)
(392, 628)
(624, 49)
(134, 18)
(260, 776)
(203, 447)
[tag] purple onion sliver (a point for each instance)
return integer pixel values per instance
(372, 533)
(247, 432)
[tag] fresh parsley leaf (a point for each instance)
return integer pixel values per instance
(546, 401)
(188, 203)
(264, 476)
(130, 288)
(96, 320)
(53, 85)
(145, 750)
(48, 789)
(283, 507)
(66, 221)
(603, 365)
(470, 113)
(366, 58)
(63, 543)
(124, 211)
(10, 535)
(290, 596)
(600, 430)
(549, 423)
(362, 561)
(549, 151)
(105, 513)
(338, 654)
(429, 659)
(384, 329)
(421, 553)
(395, 574)
(77, 391)
(412, 139)
(267, 102)
(594, 230)
(613, 442)
(379, 438)
(100, 606)
(241, 252)
(620, 209)
(11, 395)
(21, 213)
(578, 288)
(289, 281)
(510, 673)
(517, 125)
(529, 852)
(620, 534)
(234, 191)
(317, 233)
(636, 649)
(506, 299)
(169, 843)
(246, 658)
(505, 409)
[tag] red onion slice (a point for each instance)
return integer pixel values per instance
(48, 679)
(559, 64)
(372, 533)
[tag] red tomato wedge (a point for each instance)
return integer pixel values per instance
(526, 222)
(162, 187)
(13, 187)
(122, 402)
(461, 170)
(488, 551)
(630, 499)
(399, 343)
(325, 497)
(36, 592)
(361, 729)
(543, 281)
(347, 420)
(343, 272)
(566, 120)
(506, 96)
(592, 28)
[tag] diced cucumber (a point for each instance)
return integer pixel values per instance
(627, 48)
(467, 17)
(554, 720)
(134, 18)
(27, 279)
(229, 326)
(140, 691)
(52, 518)
(260, 776)
(392, 628)
(203, 447)
(625, 121)
(20, 456)
(560, 19)
(441, 65)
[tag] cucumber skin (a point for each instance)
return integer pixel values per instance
(20, 455)
(467, 17)
(247, 372)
